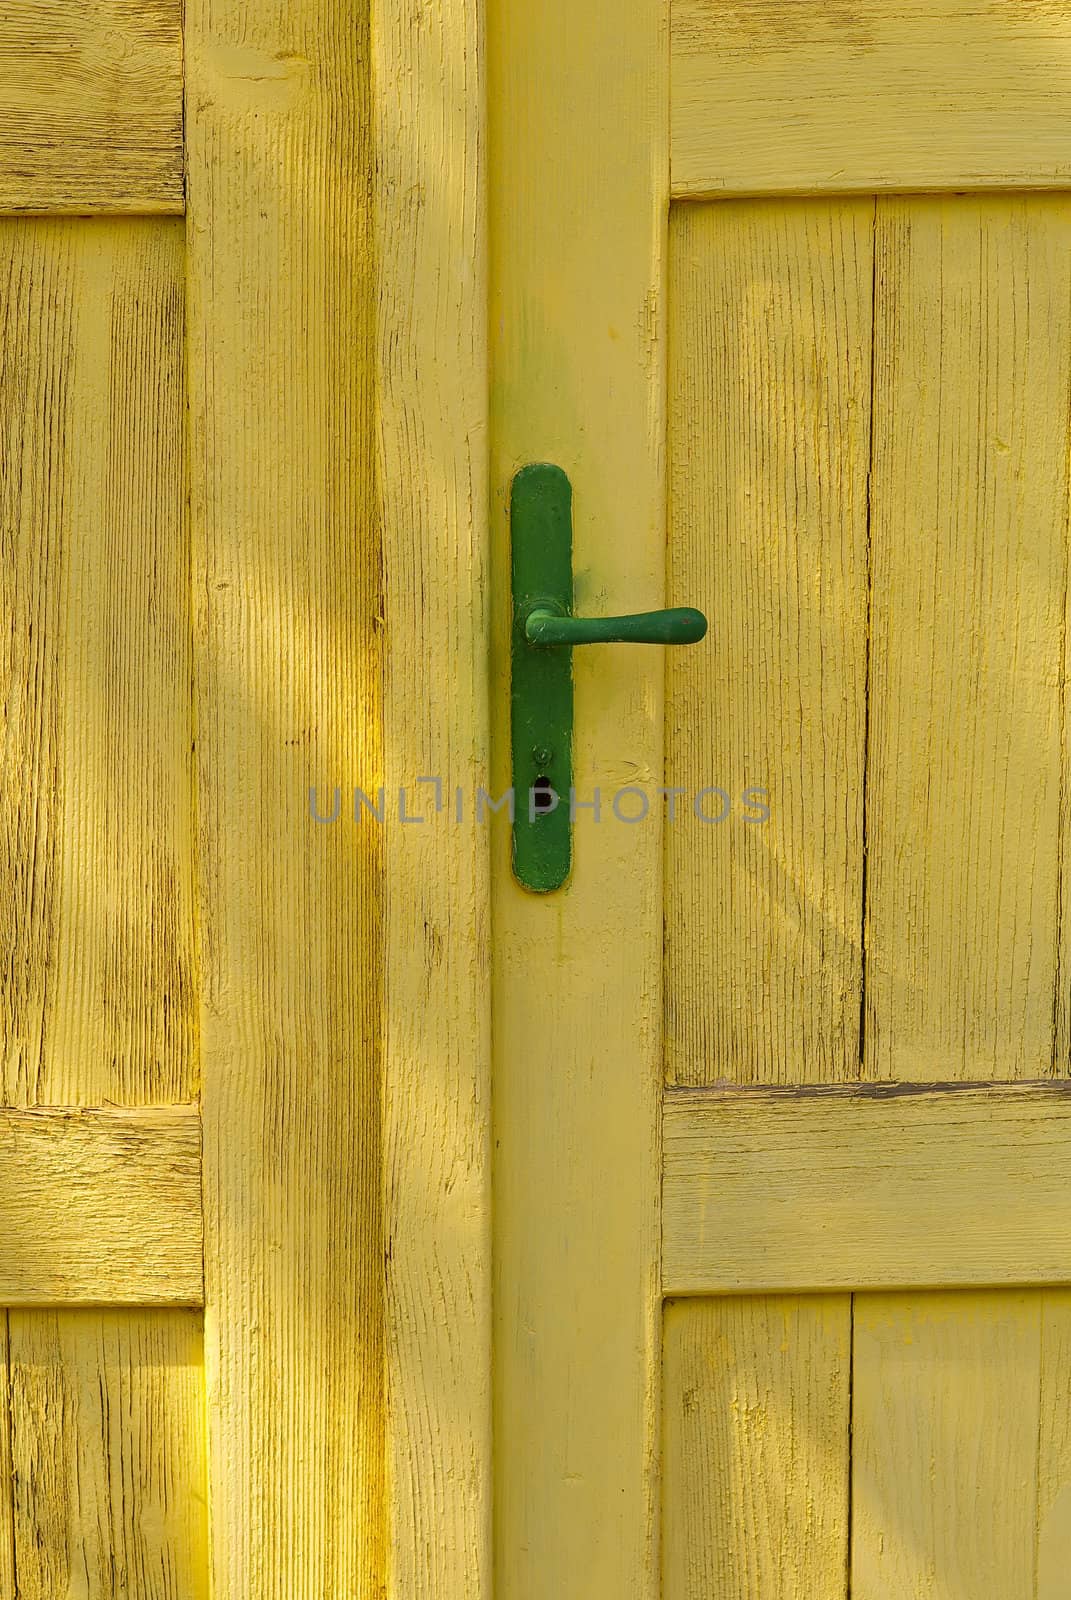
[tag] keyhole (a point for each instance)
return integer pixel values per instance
(543, 797)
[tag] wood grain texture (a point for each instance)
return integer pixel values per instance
(432, 414)
(1053, 1558)
(100, 1207)
(756, 1430)
(287, 556)
(969, 551)
(96, 931)
(7, 1483)
(775, 97)
(578, 200)
(769, 443)
(91, 106)
(96, 877)
(945, 1430)
(852, 1188)
(108, 1443)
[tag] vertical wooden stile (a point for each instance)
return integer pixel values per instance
(432, 437)
(288, 664)
(579, 184)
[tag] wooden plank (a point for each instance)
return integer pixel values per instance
(969, 548)
(432, 409)
(97, 1002)
(945, 1428)
(769, 444)
(7, 1483)
(1054, 1447)
(953, 1393)
(108, 1441)
(91, 106)
(962, 1463)
(287, 563)
(870, 1188)
(100, 1206)
(96, 934)
(775, 97)
(578, 178)
(756, 1424)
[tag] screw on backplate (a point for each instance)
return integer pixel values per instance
(541, 755)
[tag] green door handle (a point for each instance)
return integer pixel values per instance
(541, 659)
(681, 625)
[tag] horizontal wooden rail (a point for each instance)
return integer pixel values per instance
(781, 97)
(91, 106)
(100, 1207)
(885, 1186)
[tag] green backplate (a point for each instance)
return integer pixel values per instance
(541, 684)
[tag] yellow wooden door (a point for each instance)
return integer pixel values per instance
(243, 1078)
(781, 1139)
(782, 1122)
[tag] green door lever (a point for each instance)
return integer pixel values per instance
(682, 625)
(541, 687)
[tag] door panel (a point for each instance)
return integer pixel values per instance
(923, 626)
(865, 1072)
(868, 494)
(107, 1442)
(243, 540)
(756, 1420)
(769, 452)
(947, 1397)
(959, 1442)
(968, 532)
(96, 854)
(103, 1474)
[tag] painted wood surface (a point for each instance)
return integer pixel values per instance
(769, 452)
(107, 1439)
(100, 1207)
(769, 444)
(775, 97)
(1053, 1552)
(969, 492)
(7, 1487)
(755, 1498)
(96, 928)
(951, 1426)
(287, 579)
(577, 217)
(961, 1465)
(961, 1471)
(91, 106)
(432, 434)
(96, 867)
(295, 1189)
(829, 481)
(845, 1188)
